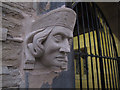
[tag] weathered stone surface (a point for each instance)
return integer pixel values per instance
(26, 7)
(11, 80)
(12, 19)
(9, 11)
(14, 29)
(5, 71)
(4, 34)
(11, 53)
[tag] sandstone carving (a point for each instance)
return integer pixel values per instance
(49, 41)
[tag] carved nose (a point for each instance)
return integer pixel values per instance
(65, 47)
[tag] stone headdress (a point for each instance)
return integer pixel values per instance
(63, 16)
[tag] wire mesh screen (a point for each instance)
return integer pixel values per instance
(95, 54)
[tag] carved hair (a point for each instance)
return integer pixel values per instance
(34, 44)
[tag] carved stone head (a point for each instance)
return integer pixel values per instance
(50, 39)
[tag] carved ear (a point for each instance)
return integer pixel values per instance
(31, 49)
(36, 48)
(39, 42)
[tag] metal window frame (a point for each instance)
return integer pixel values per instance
(100, 56)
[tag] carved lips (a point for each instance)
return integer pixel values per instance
(62, 58)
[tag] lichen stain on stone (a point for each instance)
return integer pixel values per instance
(42, 80)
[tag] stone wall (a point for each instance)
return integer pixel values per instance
(16, 18)
(13, 15)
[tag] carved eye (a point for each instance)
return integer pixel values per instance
(70, 41)
(58, 38)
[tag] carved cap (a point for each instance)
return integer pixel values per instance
(63, 16)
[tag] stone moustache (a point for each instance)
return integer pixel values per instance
(50, 39)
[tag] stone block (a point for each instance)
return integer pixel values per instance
(14, 27)
(11, 80)
(4, 34)
(26, 6)
(7, 78)
(10, 11)
(9, 83)
(5, 71)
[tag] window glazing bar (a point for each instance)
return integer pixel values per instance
(115, 78)
(93, 28)
(112, 81)
(107, 55)
(99, 48)
(87, 6)
(83, 25)
(116, 75)
(104, 58)
(78, 33)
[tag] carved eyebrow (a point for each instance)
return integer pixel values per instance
(63, 34)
